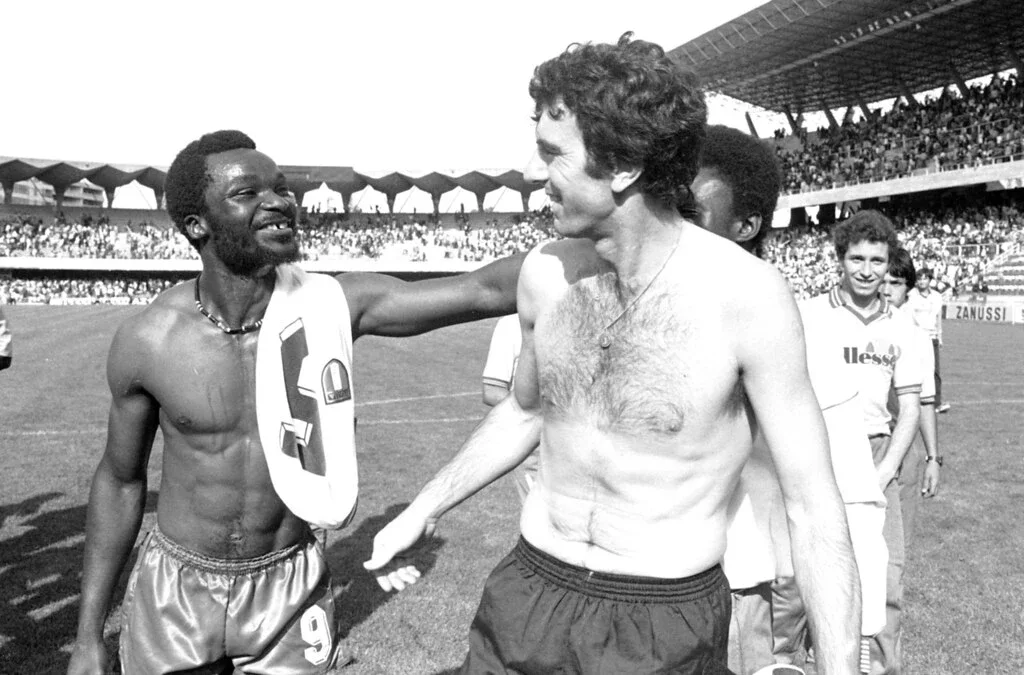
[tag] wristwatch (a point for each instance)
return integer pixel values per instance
(934, 458)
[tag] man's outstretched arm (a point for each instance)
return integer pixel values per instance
(380, 304)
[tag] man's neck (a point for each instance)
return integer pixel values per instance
(637, 243)
(236, 299)
(865, 305)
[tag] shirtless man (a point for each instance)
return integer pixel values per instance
(641, 388)
(186, 365)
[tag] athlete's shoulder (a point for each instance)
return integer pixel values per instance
(573, 257)
(902, 319)
(708, 257)
(548, 271)
(559, 263)
(141, 342)
(760, 281)
(160, 319)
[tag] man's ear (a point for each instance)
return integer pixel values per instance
(623, 178)
(748, 228)
(196, 226)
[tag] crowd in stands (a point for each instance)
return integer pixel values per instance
(34, 237)
(420, 239)
(945, 132)
(108, 289)
(956, 241)
(397, 237)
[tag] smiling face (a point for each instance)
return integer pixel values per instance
(250, 213)
(560, 161)
(864, 267)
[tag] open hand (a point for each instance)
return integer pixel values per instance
(395, 571)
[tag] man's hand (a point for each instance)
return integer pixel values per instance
(88, 658)
(885, 475)
(393, 571)
(930, 484)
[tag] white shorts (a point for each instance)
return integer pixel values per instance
(872, 556)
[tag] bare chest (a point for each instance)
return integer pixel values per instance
(209, 390)
(656, 374)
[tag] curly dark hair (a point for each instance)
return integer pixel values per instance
(635, 107)
(188, 178)
(901, 266)
(865, 225)
(752, 171)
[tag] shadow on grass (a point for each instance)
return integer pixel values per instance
(360, 594)
(41, 574)
(40, 581)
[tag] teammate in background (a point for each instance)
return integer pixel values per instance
(737, 187)
(924, 304)
(187, 365)
(919, 474)
(924, 450)
(877, 343)
(502, 357)
(6, 343)
(644, 388)
(499, 373)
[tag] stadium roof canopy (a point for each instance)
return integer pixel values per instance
(301, 179)
(806, 55)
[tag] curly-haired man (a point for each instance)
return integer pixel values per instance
(642, 389)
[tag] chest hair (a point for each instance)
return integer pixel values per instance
(638, 384)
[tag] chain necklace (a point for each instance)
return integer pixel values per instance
(606, 339)
(219, 323)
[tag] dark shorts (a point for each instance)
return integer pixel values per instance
(188, 612)
(541, 615)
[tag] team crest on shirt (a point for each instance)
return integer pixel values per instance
(335, 383)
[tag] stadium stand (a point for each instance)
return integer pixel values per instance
(961, 240)
(945, 133)
(947, 166)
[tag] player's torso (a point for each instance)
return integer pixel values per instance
(873, 351)
(643, 439)
(216, 495)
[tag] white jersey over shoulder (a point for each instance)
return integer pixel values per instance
(304, 399)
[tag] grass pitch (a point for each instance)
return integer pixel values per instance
(417, 399)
